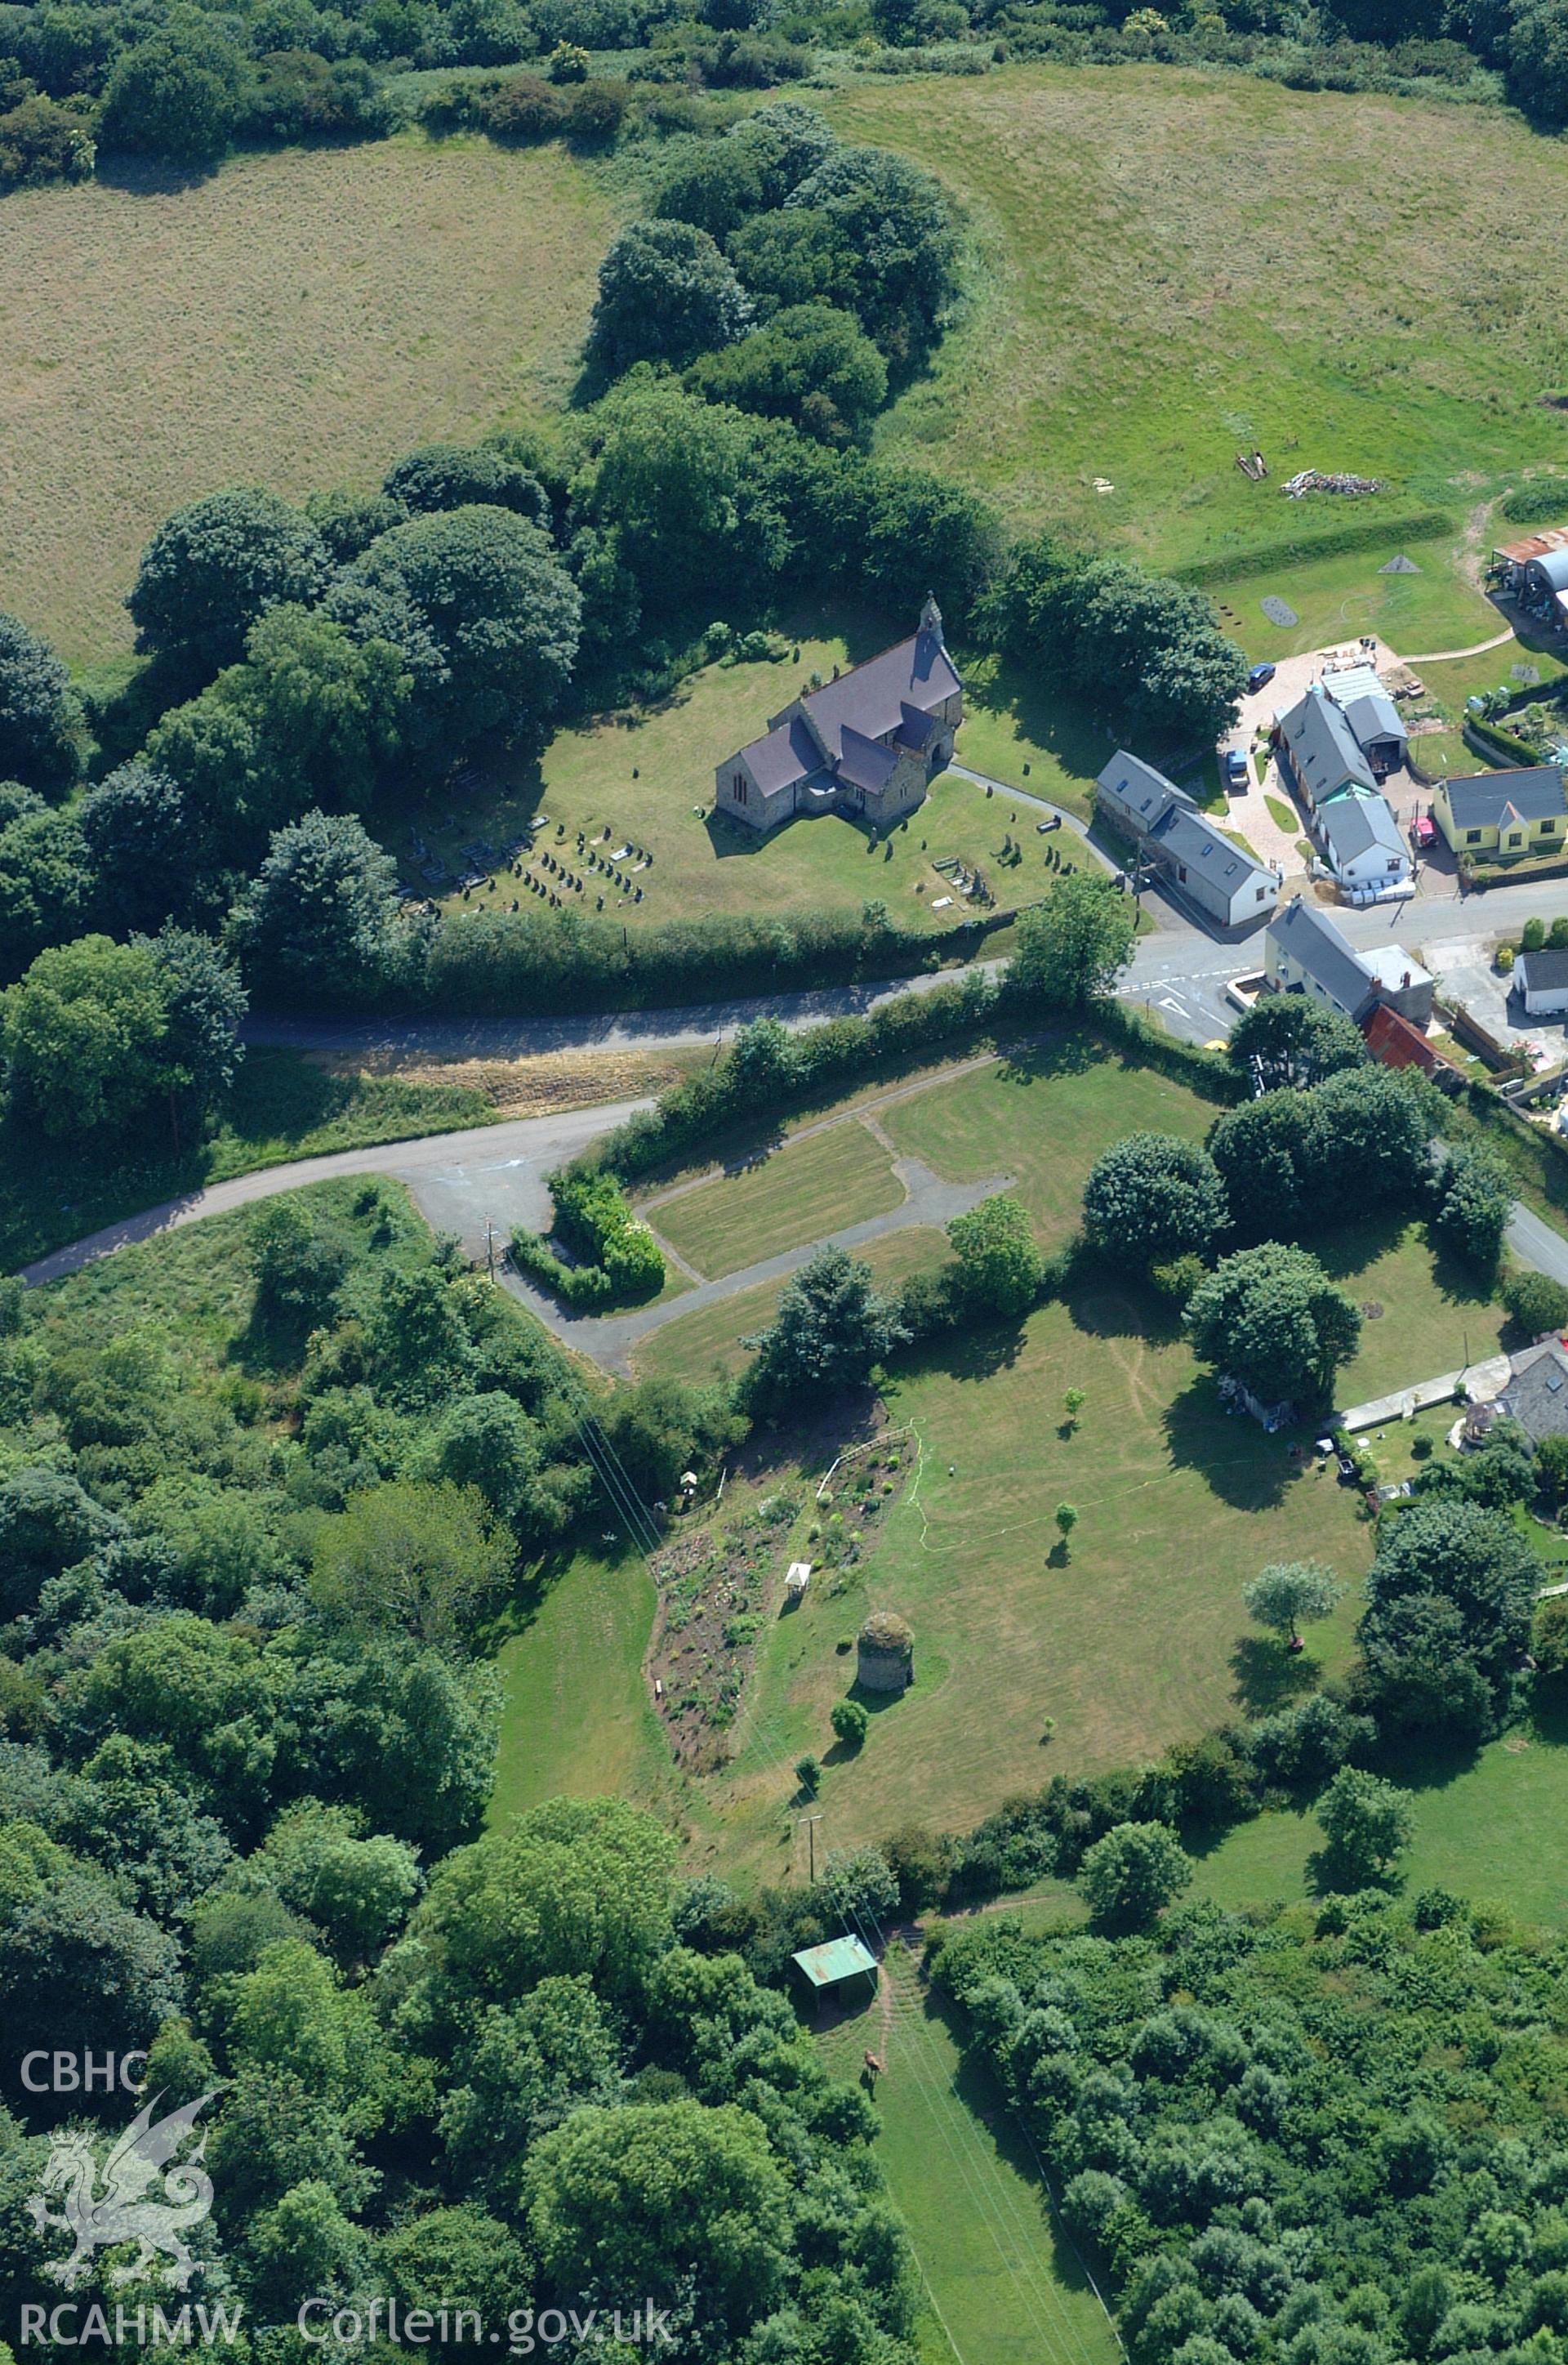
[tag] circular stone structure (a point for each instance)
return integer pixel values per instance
(885, 1654)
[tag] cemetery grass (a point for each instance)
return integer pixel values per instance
(318, 310)
(645, 773)
(283, 1106)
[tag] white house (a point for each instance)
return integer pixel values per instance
(1542, 980)
(1362, 846)
(1304, 952)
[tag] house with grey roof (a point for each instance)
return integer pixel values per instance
(1542, 981)
(1319, 752)
(1510, 813)
(1537, 1393)
(1229, 885)
(866, 744)
(1374, 718)
(1363, 846)
(1304, 952)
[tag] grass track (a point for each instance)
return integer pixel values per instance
(296, 320)
(1005, 2288)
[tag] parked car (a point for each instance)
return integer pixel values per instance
(1044, 828)
(1260, 678)
(1422, 833)
(1236, 775)
(1348, 1473)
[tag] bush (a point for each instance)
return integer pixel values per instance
(851, 1721)
(1533, 937)
(621, 1262)
(1536, 1302)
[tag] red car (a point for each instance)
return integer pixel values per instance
(1422, 833)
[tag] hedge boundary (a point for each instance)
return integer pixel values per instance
(1296, 550)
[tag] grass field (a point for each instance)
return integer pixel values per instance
(1483, 1827)
(1001, 2288)
(646, 776)
(1176, 265)
(699, 1345)
(1179, 1505)
(842, 1174)
(283, 1106)
(297, 321)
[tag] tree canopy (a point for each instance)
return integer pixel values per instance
(1073, 946)
(1271, 1318)
(1285, 1039)
(666, 294)
(832, 1326)
(217, 564)
(40, 713)
(1153, 1195)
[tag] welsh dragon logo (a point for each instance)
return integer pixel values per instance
(148, 2195)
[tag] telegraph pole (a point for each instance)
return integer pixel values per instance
(490, 1248)
(811, 1822)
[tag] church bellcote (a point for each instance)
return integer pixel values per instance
(931, 618)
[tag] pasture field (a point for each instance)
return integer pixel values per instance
(296, 320)
(645, 776)
(1175, 266)
(842, 1174)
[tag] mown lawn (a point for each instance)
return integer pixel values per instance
(1044, 1116)
(283, 1106)
(829, 1180)
(297, 319)
(1433, 1315)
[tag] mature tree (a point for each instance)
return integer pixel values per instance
(452, 476)
(457, 2257)
(1548, 1628)
(488, 1444)
(208, 748)
(175, 95)
(665, 293)
(1367, 1826)
(715, 185)
(299, 1260)
(1473, 1205)
(1271, 1318)
(48, 1523)
(1152, 1196)
(857, 1883)
(896, 222)
(40, 713)
(1418, 1673)
(1552, 1469)
(786, 141)
(1290, 1594)
(831, 1326)
(793, 257)
(44, 884)
(810, 364)
(147, 846)
(1536, 1302)
(655, 2197)
(1002, 1268)
(318, 915)
(1371, 1138)
(1153, 649)
(1264, 1154)
(84, 1036)
(1461, 1553)
(304, 2242)
(428, 1561)
(215, 566)
(1536, 50)
(1500, 1473)
(1130, 1874)
(207, 1004)
(1075, 945)
(676, 479)
(355, 1889)
(499, 607)
(327, 711)
(533, 2063)
(1284, 1039)
(575, 1885)
(349, 523)
(74, 1960)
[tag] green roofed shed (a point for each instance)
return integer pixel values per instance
(839, 1959)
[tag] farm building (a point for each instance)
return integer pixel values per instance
(1229, 885)
(1534, 571)
(1304, 952)
(1362, 845)
(1514, 813)
(831, 1966)
(1542, 980)
(865, 743)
